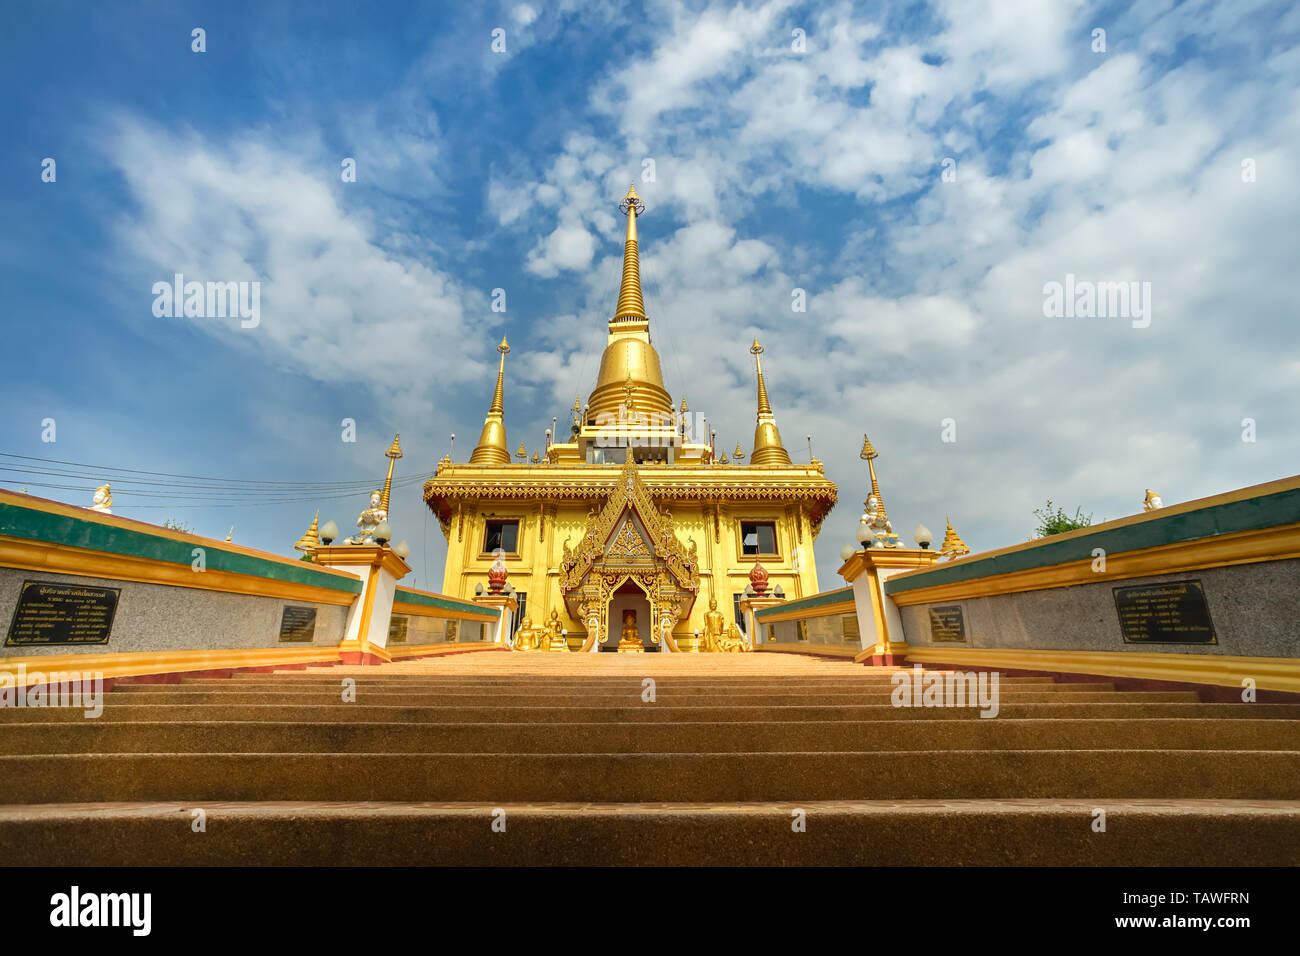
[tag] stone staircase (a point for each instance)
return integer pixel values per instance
(739, 759)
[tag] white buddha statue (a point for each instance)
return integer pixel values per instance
(103, 499)
(881, 525)
(1152, 501)
(369, 520)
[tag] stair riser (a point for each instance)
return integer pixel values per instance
(336, 710)
(395, 698)
(651, 777)
(91, 737)
(723, 838)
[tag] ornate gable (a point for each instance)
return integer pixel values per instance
(609, 533)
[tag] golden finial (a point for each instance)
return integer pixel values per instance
(631, 304)
(768, 449)
(738, 454)
(522, 452)
(492, 448)
(723, 460)
(394, 452)
(685, 408)
(869, 455)
(310, 541)
(231, 533)
(577, 403)
(536, 458)
(868, 450)
(953, 546)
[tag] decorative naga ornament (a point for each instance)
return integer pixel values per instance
(1152, 501)
(952, 546)
(103, 499)
(758, 578)
(497, 573)
(732, 641)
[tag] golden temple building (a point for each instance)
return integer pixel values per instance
(637, 511)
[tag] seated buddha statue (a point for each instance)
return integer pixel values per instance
(369, 520)
(630, 638)
(526, 638)
(553, 635)
(732, 640)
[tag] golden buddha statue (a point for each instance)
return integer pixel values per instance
(629, 641)
(714, 627)
(527, 637)
(553, 635)
(732, 641)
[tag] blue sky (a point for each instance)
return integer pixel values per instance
(775, 168)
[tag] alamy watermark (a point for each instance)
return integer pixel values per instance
(946, 689)
(25, 688)
(1084, 299)
(208, 300)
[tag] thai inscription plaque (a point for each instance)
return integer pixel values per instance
(1170, 613)
(69, 614)
(298, 625)
(947, 626)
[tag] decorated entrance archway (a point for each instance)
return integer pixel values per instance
(629, 541)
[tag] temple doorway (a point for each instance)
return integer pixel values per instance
(629, 597)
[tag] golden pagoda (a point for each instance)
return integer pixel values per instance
(953, 546)
(636, 512)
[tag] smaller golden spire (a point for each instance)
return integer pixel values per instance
(536, 459)
(521, 453)
(231, 533)
(685, 408)
(394, 452)
(492, 448)
(953, 546)
(768, 449)
(577, 403)
(738, 454)
(868, 450)
(310, 541)
(631, 305)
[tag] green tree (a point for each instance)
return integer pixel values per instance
(1055, 521)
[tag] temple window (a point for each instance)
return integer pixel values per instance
(503, 535)
(758, 539)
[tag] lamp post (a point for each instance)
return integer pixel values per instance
(923, 536)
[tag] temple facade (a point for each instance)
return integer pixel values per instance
(636, 527)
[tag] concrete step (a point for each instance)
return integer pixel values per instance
(652, 777)
(95, 737)
(334, 710)
(180, 695)
(859, 833)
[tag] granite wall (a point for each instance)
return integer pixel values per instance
(157, 617)
(1254, 608)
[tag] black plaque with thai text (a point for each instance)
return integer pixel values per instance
(298, 625)
(1170, 613)
(947, 626)
(69, 614)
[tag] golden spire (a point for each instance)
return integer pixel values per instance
(953, 546)
(631, 306)
(492, 448)
(394, 452)
(629, 358)
(768, 449)
(310, 541)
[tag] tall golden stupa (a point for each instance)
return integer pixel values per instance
(637, 511)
